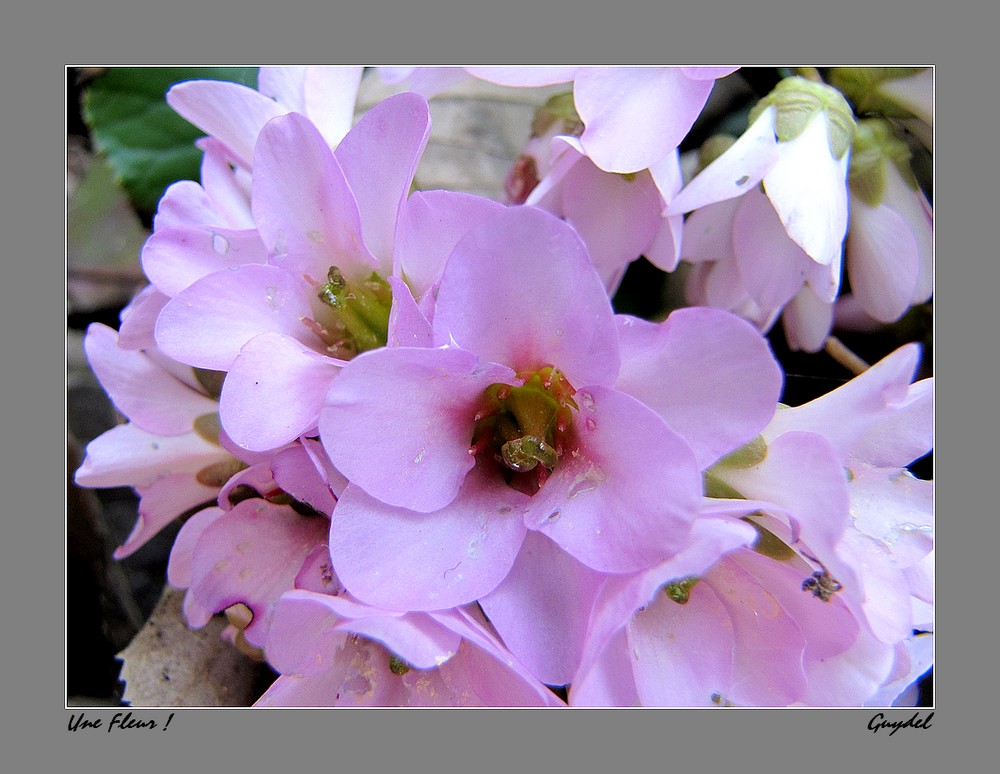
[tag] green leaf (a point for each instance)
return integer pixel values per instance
(148, 145)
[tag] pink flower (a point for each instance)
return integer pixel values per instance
(169, 451)
(269, 529)
(801, 155)
(745, 263)
(334, 652)
(634, 117)
(277, 329)
(890, 244)
(427, 523)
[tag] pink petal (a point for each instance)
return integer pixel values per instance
(803, 474)
(425, 81)
(145, 393)
(616, 216)
(849, 417)
(772, 266)
(227, 187)
(162, 502)
(179, 567)
(607, 681)
(709, 374)
(542, 608)
(306, 631)
(399, 422)
(139, 319)
(883, 261)
(274, 391)
(808, 320)
(738, 170)
(665, 249)
(128, 456)
(768, 647)
(546, 307)
(702, 73)
(626, 499)
(524, 76)
(302, 203)
(230, 112)
(295, 472)
(636, 116)
(175, 257)
(208, 323)
(407, 325)
(682, 654)
(430, 225)
(808, 188)
(325, 94)
(379, 157)
(402, 560)
(252, 555)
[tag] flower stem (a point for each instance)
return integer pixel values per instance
(836, 349)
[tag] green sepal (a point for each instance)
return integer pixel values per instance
(769, 544)
(719, 489)
(211, 381)
(875, 146)
(208, 426)
(748, 455)
(796, 102)
(863, 87)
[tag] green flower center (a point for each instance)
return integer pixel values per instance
(357, 313)
(526, 426)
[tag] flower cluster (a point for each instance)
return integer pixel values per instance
(421, 459)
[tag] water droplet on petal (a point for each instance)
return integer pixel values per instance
(591, 424)
(220, 245)
(743, 180)
(272, 296)
(587, 401)
(473, 552)
(418, 459)
(316, 237)
(553, 517)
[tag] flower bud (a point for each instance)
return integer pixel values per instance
(875, 146)
(893, 92)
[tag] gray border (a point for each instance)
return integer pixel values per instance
(39, 40)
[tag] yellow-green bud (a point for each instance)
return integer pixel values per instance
(863, 86)
(876, 146)
(796, 102)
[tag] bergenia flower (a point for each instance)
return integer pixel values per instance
(270, 527)
(797, 145)
(890, 244)
(281, 330)
(508, 423)
(333, 652)
(745, 262)
(633, 117)
(234, 114)
(830, 592)
(170, 450)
